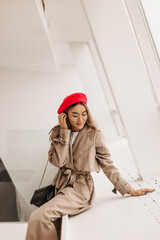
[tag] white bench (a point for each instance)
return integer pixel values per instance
(112, 217)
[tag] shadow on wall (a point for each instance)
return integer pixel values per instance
(8, 207)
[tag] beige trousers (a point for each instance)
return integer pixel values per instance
(41, 222)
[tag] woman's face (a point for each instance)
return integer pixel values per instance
(77, 117)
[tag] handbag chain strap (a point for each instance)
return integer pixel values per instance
(43, 174)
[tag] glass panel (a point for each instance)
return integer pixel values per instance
(152, 14)
(23, 156)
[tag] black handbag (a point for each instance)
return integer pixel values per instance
(44, 194)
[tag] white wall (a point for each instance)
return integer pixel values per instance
(128, 80)
(30, 100)
(91, 83)
(152, 12)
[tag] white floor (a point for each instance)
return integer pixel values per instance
(112, 217)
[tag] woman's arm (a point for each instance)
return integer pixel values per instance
(104, 158)
(59, 148)
(113, 174)
(57, 154)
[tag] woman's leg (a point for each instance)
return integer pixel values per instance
(40, 225)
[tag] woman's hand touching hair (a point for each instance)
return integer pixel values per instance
(139, 192)
(62, 120)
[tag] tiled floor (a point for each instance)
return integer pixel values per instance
(123, 159)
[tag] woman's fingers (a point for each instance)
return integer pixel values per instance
(140, 192)
(62, 120)
(148, 190)
(62, 116)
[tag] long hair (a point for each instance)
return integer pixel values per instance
(55, 131)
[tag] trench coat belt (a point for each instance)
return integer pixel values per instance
(67, 176)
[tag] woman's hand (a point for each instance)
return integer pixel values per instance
(62, 120)
(139, 192)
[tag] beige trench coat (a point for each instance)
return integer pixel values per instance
(74, 184)
(86, 155)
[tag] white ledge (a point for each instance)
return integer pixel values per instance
(64, 228)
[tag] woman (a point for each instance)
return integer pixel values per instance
(77, 148)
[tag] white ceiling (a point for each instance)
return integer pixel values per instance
(67, 21)
(24, 43)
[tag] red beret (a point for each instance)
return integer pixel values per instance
(71, 99)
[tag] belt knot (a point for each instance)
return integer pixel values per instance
(68, 171)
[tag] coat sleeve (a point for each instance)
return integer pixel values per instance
(104, 159)
(57, 154)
